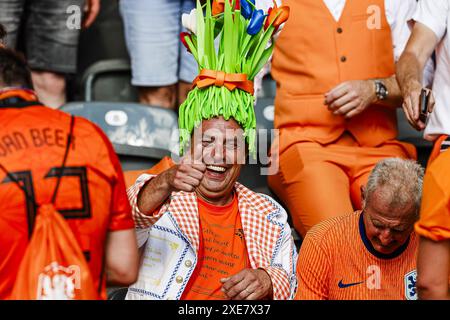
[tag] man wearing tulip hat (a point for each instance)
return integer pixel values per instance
(203, 235)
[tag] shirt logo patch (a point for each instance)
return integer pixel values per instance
(57, 283)
(410, 285)
(346, 285)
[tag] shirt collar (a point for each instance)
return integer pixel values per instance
(371, 249)
(11, 97)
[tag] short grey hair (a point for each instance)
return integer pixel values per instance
(401, 179)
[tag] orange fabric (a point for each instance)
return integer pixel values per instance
(335, 264)
(132, 175)
(317, 181)
(92, 194)
(311, 57)
(53, 266)
(434, 220)
(222, 251)
(436, 149)
(231, 81)
(26, 94)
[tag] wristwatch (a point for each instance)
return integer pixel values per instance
(380, 90)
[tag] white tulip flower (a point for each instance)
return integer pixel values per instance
(189, 21)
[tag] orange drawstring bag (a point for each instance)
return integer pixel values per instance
(53, 266)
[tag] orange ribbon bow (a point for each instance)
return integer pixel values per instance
(231, 81)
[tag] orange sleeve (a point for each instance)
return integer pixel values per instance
(136, 180)
(164, 164)
(131, 177)
(313, 268)
(121, 218)
(435, 153)
(434, 220)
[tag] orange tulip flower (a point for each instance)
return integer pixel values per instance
(218, 6)
(277, 16)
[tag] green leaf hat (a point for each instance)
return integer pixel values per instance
(224, 86)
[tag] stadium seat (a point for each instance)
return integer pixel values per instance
(117, 293)
(251, 175)
(109, 80)
(408, 134)
(269, 87)
(264, 111)
(141, 135)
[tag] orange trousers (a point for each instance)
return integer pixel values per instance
(316, 182)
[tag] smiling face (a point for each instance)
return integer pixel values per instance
(387, 228)
(223, 152)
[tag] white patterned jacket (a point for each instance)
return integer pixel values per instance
(171, 240)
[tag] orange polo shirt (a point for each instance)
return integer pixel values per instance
(338, 262)
(222, 251)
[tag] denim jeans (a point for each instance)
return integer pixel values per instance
(152, 29)
(49, 43)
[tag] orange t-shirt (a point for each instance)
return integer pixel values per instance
(92, 196)
(338, 262)
(222, 251)
(434, 220)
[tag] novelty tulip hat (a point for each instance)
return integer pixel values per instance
(224, 86)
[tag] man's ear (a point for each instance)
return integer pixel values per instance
(363, 196)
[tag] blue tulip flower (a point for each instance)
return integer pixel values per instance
(256, 22)
(247, 8)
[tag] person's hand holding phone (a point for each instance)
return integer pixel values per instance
(418, 102)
